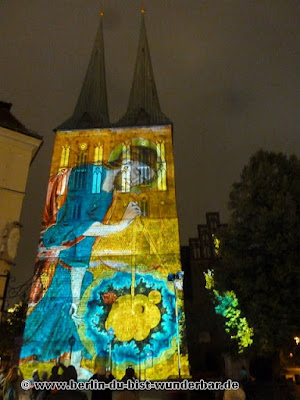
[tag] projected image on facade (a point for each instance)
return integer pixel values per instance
(109, 240)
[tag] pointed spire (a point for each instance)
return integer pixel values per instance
(91, 110)
(143, 106)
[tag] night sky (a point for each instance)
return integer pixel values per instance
(227, 74)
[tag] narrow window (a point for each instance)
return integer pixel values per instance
(81, 168)
(97, 179)
(161, 167)
(98, 154)
(65, 155)
(126, 168)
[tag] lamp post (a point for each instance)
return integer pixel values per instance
(177, 281)
(110, 334)
(71, 341)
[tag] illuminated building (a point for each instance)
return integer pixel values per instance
(18, 147)
(101, 294)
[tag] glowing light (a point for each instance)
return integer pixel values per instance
(109, 240)
(161, 166)
(297, 340)
(15, 308)
(209, 279)
(65, 154)
(83, 146)
(133, 318)
(226, 304)
(216, 244)
(98, 154)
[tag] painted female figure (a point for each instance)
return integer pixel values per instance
(69, 241)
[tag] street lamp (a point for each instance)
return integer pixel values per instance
(71, 341)
(177, 280)
(110, 334)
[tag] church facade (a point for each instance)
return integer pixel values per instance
(108, 283)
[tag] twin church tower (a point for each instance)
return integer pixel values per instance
(107, 290)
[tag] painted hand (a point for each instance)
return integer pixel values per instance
(50, 252)
(132, 211)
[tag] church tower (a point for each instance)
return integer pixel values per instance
(108, 283)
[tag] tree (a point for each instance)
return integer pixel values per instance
(260, 249)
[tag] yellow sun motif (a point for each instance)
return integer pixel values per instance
(133, 318)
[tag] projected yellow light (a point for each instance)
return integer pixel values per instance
(132, 318)
(109, 240)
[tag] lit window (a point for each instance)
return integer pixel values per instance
(97, 179)
(126, 168)
(65, 155)
(98, 154)
(161, 167)
(81, 168)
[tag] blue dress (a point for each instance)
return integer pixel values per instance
(50, 326)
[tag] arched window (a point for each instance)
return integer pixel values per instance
(97, 179)
(126, 168)
(65, 155)
(81, 167)
(97, 169)
(161, 167)
(98, 154)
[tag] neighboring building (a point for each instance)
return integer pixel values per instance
(108, 288)
(205, 329)
(18, 147)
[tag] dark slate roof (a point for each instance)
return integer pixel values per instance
(91, 110)
(143, 106)
(9, 121)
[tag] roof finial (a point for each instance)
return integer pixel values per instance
(143, 106)
(91, 110)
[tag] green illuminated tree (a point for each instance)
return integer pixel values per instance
(260, 250)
